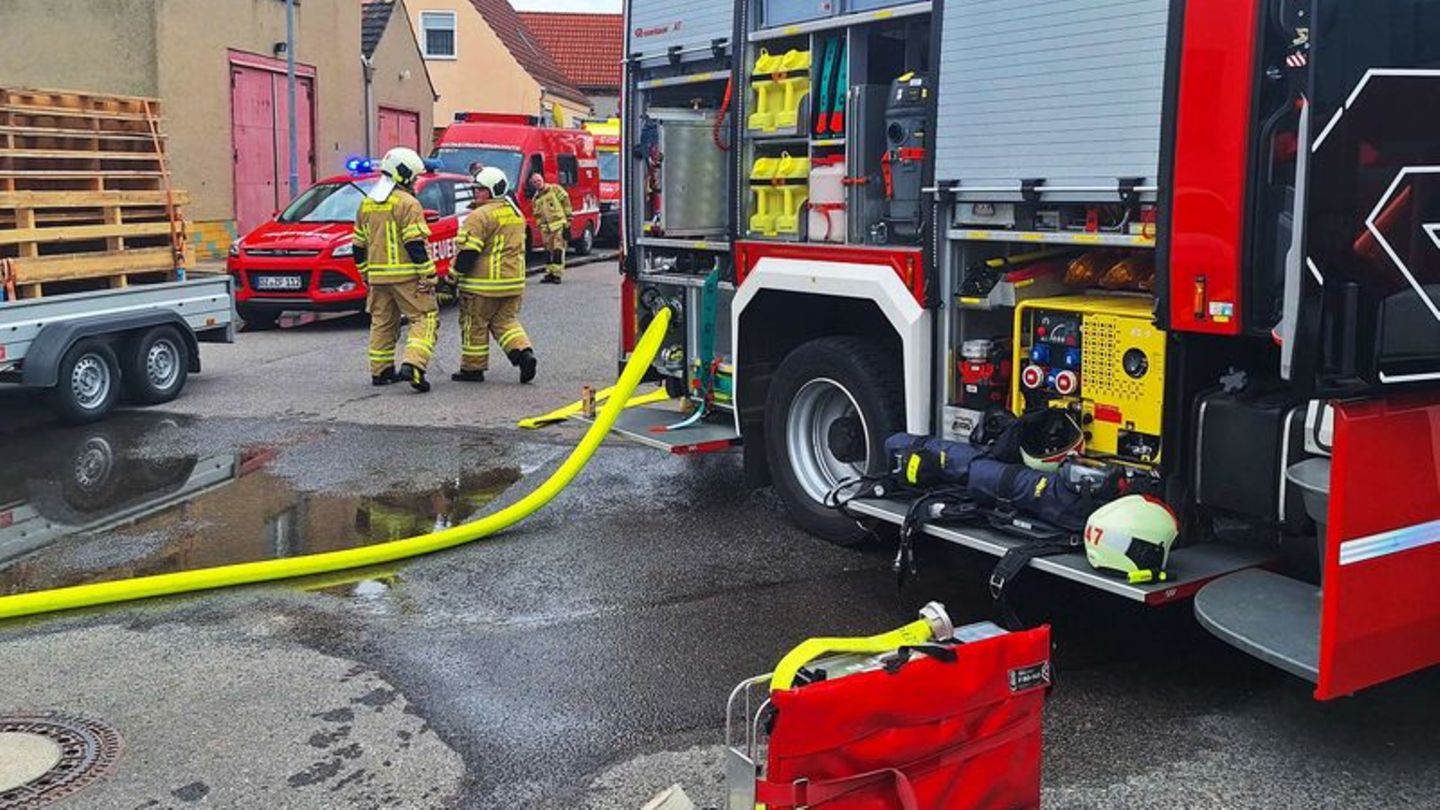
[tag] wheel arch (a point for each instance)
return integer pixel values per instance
(42, 362)
(785, 303)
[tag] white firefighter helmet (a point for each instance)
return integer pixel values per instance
(1048, 438)
(1130, 535)
(493, 180)
(399, 167)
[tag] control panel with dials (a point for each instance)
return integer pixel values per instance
(1102, 358)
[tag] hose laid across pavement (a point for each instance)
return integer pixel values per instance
(224, 576)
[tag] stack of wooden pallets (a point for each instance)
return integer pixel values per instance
(85, 195)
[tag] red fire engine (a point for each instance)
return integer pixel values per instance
(520, 146)
(1206, 231)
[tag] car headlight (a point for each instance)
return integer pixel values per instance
(235, 248)
(345, 250)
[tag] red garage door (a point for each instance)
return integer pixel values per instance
(258, 118)
(398, 128)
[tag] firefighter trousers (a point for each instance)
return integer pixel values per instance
(386, 303)
(556, 243)
(483, 317)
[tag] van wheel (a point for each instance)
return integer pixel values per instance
(89, 383)
(831, 405)
(157, 366)
(258, 320)
(586, 245)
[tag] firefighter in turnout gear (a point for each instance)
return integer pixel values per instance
(490, 272)
(392, 253)
(551, 204)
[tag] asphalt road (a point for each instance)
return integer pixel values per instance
(581, 660)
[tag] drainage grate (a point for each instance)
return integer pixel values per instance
(88, 750)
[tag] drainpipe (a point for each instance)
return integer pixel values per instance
(367, 68)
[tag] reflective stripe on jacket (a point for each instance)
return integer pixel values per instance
(552, 208)
(495, 230)
(382, 229)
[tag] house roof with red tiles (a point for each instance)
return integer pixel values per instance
(523, 45)
(587, 47)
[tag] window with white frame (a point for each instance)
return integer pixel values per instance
(437, 34)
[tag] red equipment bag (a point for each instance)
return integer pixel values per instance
(928, 734)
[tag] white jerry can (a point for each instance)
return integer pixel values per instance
(827, 199)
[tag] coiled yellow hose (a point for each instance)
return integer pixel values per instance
(224, 576)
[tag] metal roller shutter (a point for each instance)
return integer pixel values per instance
(1068, 91)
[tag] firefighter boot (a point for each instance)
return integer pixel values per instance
(549, 278)
(386, 377)
(416, 376)
(468, 376)
(524, 359)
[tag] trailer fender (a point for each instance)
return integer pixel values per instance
(42, 363)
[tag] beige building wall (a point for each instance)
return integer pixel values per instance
(483, 76)
(79, 45)
(399, 80)
(193, 44)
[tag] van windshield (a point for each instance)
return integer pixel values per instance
(328, 202)
(467, 160)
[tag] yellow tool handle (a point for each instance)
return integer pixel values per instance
(100, 593)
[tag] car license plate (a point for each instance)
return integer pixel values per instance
(277, 282)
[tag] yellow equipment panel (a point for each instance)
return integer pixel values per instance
(1101, 357)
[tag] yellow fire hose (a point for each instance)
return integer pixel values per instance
(575, 408)
(224, 576)
(933, 625)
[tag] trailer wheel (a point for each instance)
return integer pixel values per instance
(157, 366)
(586, 245)
(831, 405)
(89, 382)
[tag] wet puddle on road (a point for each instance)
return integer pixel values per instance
(82, 506)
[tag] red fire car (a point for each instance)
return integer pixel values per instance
(301, 260)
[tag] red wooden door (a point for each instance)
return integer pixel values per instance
(304, 110)
(260, 134)
(398, 128)
(252, 118)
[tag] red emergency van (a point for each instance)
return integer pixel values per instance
(520, 147)
(302, 260)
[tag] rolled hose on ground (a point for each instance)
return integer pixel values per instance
(100, 593)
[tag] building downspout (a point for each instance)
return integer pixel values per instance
(367, 68)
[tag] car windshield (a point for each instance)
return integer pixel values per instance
(609, 167)
(328, 202)
(467, 160)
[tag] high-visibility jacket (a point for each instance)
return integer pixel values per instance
(552, 208)
(496, 231)
(381, 233)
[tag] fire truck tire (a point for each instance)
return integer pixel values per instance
(156, 366)
(831, 405)
(585, 245)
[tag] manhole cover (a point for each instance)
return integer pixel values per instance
(46, 757)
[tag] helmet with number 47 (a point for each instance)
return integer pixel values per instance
(1131, 536)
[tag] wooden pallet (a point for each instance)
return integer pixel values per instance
(85, 192)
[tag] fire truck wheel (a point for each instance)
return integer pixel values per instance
(831, 405)
(586, 244)
(156, 366)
